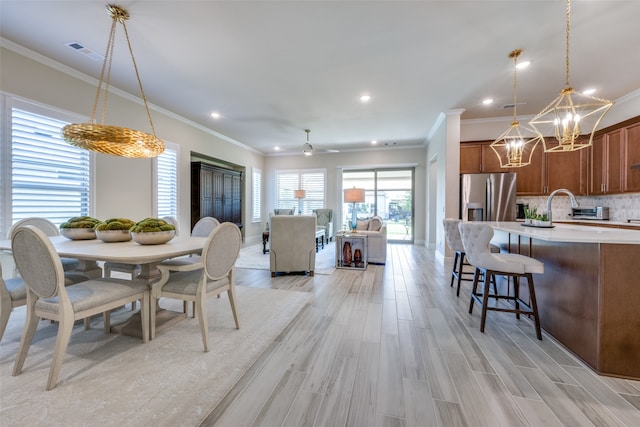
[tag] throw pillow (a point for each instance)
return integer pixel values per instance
(362, 225)
(375, 223)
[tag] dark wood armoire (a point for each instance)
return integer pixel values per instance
(215, 192)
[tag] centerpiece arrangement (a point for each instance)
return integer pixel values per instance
(79, 228)
(152, 231)
(115, 230)
(534, 219)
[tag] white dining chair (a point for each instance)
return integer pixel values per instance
(211, 275)
(48, 298)
(204, 226)
(50, 229)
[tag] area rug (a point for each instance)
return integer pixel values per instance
(114, 380)
(252, 257)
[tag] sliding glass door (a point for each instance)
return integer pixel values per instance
(388, 194)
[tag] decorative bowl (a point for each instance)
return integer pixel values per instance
(153, 238)
(78, 233)
(109, 236)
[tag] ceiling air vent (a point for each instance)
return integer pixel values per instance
(510, 106)
(85, 50)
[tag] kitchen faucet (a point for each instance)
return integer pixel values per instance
(572, 198)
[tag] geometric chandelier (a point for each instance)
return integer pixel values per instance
(514, 150)
(570, 114)
(117, 141)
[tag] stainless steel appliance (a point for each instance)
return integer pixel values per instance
(491, 196)
(590, 212)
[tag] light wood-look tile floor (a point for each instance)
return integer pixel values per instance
(393, 346)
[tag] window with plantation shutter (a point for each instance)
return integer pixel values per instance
(48, 177)
(166, 181)
(256, 191)
(313, 181)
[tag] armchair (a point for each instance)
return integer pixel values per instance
(324, 219)
(293, 243)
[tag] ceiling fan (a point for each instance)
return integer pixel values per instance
(308, 148)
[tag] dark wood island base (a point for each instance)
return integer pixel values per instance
(588, 298)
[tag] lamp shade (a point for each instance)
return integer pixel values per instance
(354, 195)
(299, 194)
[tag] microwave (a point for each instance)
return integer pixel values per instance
(592, 212)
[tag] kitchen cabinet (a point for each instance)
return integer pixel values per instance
(215, 192)
(601, 169)
(566, 170)
(632, 157)
(479, 157)
(530, 180)
(547, 171)
(607, 163)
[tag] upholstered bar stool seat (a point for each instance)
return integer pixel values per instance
(475, 239)
(452, 236)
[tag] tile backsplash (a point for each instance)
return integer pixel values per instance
(621, 206)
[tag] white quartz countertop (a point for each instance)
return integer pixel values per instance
(572, 233)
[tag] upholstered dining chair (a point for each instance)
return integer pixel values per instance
(13, 293)
(50, 229)
(204, 226)
(212, 275)
(48, 298)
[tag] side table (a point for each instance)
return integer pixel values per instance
(351, 251)
(265, 240)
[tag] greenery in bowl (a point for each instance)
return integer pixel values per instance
(115, 224)
(81, 222)
(152, 225)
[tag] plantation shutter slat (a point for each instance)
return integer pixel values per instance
(49, 178)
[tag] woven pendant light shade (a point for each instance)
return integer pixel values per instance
(114, 140)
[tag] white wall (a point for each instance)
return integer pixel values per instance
(124, 186)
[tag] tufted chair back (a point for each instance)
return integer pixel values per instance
(475, 240)
(452, 234)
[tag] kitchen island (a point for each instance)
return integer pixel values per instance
(589, 295)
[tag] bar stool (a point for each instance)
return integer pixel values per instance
(475, 239)
(452, 236)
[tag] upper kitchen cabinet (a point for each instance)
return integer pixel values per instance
(566, 170)
(531, 180)
(479, 157)
(609, 156)
(632, 157)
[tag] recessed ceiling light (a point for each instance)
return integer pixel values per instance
(215, 115)
(589, 92)
(523, 64)
(365, 98)
(487, 101)
(374, 142)
(276, 148)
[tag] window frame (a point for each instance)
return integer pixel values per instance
(311, 200)
(155, 180)
(256, 195)
(7, 104)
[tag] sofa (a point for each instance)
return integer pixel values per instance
(324, 219)
(376, 233)
(293, 244)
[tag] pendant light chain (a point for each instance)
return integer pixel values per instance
(567, 44)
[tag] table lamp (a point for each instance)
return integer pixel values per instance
(299, 194)
(354, 195)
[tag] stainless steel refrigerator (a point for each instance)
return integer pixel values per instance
(488, 197)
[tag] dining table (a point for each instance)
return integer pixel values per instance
(92, 251)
